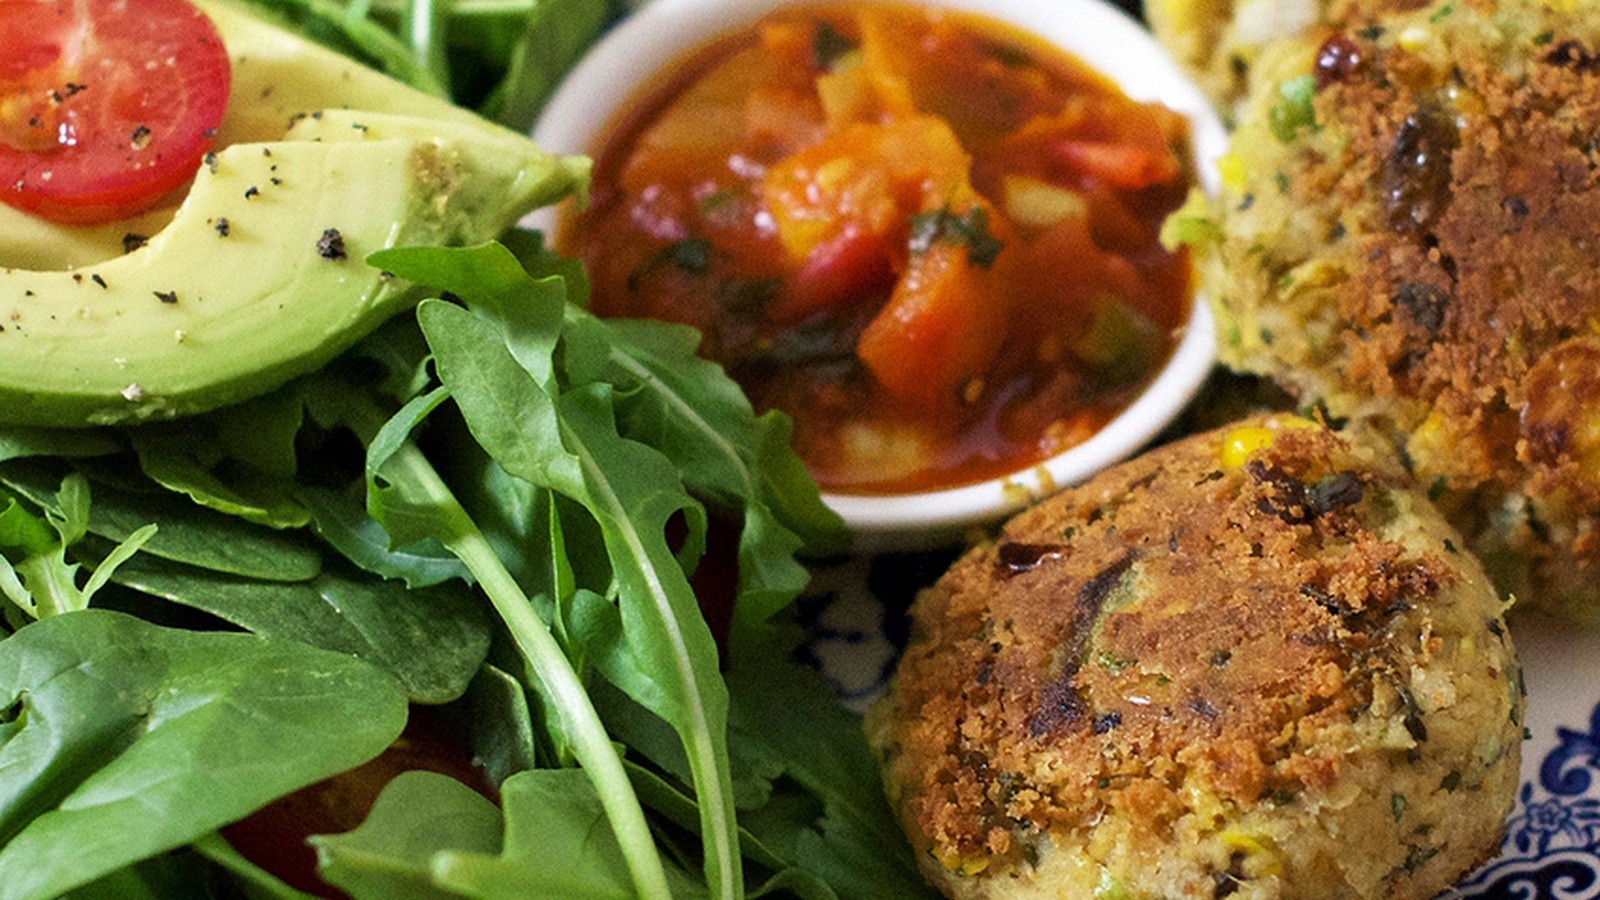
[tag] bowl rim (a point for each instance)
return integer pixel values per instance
(635, 53)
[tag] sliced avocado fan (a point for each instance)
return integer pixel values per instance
(259, 275)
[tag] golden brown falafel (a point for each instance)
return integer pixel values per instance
(1409, 235)
(1253, 663)
(1219, 41)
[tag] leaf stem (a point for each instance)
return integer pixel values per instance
(424, 32)
(592, 746)
(707, 762)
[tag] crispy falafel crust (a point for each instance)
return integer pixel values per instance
(1209, 673)
(1219, 41)
(1425, 257)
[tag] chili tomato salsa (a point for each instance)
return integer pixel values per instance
(930, 239)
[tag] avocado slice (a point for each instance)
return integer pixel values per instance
(278, 77)
(258, 276)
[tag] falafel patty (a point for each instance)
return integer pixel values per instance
(1253, 663)
(1409, 234)
(1218, 41)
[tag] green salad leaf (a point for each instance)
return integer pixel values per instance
(20, 442)
(120, 739)
(185, 533)
(495, 505)
(498, 360)
(241, 460)
(391, 853)
(502, 58)
(432, 640)
(556, 845)
(343, 522)
(35, 573)
(787, 720)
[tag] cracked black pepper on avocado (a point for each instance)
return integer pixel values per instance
(384, 166)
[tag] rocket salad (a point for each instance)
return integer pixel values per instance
(488, 519)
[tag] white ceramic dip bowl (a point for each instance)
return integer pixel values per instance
(633, 56)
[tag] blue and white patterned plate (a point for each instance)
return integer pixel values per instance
(855, 616)
(1551, 849)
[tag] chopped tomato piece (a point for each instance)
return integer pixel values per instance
(105, 105)
(872, 175)
(1116, 224)
(851, 263)
(1054, 301)
(1119, 165)
(941, 327)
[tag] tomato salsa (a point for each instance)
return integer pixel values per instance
(928, 237)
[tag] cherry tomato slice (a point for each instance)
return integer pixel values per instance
(105, 105)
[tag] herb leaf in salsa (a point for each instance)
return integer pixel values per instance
(969, 229)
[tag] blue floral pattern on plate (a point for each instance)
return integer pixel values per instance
(1551, 849)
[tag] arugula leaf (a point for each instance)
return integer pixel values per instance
(417, 815)
(344, 28)
(17, 442)
(727, 455)
(556, 845)
(431, 640)
(792, 811)
(399, 353)
(239, 460)
(689, 409)
(634, 493)
(491, 722)
(36, 576)
(124, 739)
(498, 363)
(554, 35)
(23, 532)
(423, 27)
(186, 533)
(406, 494)
(175, 874)
(345, 525)
(785, 716)
(502, 57)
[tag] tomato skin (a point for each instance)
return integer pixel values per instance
(1125, 166)
(852, 262)
(941, 326)
(106, 106)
